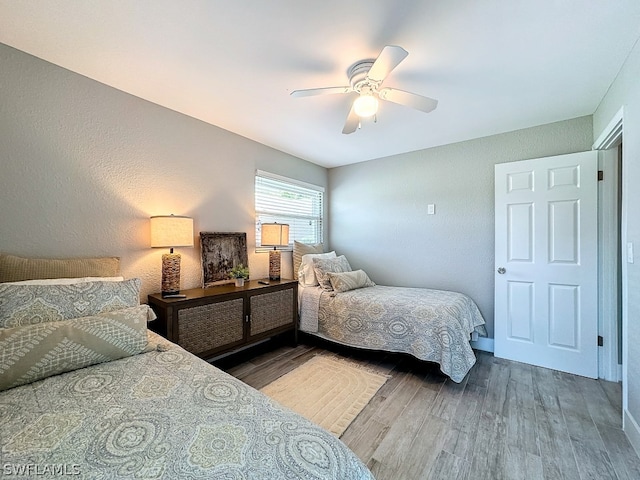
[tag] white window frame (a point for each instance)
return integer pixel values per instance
(274, 213)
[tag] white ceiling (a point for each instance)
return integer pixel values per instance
(494, 65)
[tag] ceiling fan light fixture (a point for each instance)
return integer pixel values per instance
(365, 105)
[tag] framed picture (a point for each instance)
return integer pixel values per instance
(220, 253)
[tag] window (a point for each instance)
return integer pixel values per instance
(284, 200)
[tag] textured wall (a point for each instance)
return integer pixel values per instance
(625, 91)
(378, 209)
(83, 166)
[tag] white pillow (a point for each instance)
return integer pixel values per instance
(65, 281)
(307, 274)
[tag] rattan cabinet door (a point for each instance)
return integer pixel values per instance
(271, 310)
(207, 327)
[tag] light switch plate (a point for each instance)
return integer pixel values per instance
(630, 252)
(431, 209)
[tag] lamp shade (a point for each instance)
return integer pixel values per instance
(171, 231)
(274, 235)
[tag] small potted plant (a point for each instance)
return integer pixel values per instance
(239, 273)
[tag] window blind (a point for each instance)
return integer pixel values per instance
(283, 200)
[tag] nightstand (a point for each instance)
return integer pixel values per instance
(216, 320)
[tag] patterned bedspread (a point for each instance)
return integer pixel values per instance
(162, 414)
(432, 325)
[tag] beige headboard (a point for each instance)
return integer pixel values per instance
(16, 269)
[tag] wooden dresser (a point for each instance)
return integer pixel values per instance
(215, 320)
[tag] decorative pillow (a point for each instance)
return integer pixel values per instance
(33, 352)
(345, 281)
(30, 304)
(66, 281)
(307, 274)
(15, 269)
(300, 249)
(323, 266)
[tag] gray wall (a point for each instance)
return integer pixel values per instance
(625, 92)
(83, 166)
(378, 209)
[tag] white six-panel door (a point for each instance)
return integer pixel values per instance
(546, 279)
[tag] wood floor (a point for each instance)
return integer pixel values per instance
(506, 420)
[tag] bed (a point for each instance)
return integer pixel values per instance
(345, 306)
(99, 396)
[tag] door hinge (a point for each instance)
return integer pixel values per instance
(600, 341)
(600, 175)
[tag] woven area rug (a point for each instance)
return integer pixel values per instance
(329, 391)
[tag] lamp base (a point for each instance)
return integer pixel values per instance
(170, 273)
(274, 264)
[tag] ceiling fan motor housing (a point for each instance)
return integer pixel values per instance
(358, 78)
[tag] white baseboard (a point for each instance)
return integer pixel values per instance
(632, 430)
(484, 344)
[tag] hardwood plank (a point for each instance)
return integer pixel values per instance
(521, 465)
(613, 391)
(598, 403)
(394, 448)
(593, 459)
(545, 391)
(623, 458)
(463, 427)
(589, 450)
(448, 399)
(521, 372)
(398, 399)
(489, 453)
(449, 467)
(364, 441)
(240, 370)
(423, 450)
(274, 368)
(497, 389)
(479, 373)
(375, 408)
(570, 395)
(520, 415)
(556, 450)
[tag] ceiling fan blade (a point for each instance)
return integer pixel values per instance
(389, 58)
(320, 91)
(413, 100)
(351, 125)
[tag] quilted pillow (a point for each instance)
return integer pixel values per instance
(30, 304)
(324, 266)
(345, 281)
(15, 269)
(300, 249)
(307, 274)
(66, 281)
(33, 352)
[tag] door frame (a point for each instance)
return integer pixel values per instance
(608, 251)
(611, 137)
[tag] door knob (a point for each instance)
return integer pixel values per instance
(502, 270)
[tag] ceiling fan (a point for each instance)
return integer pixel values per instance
(365, 79)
